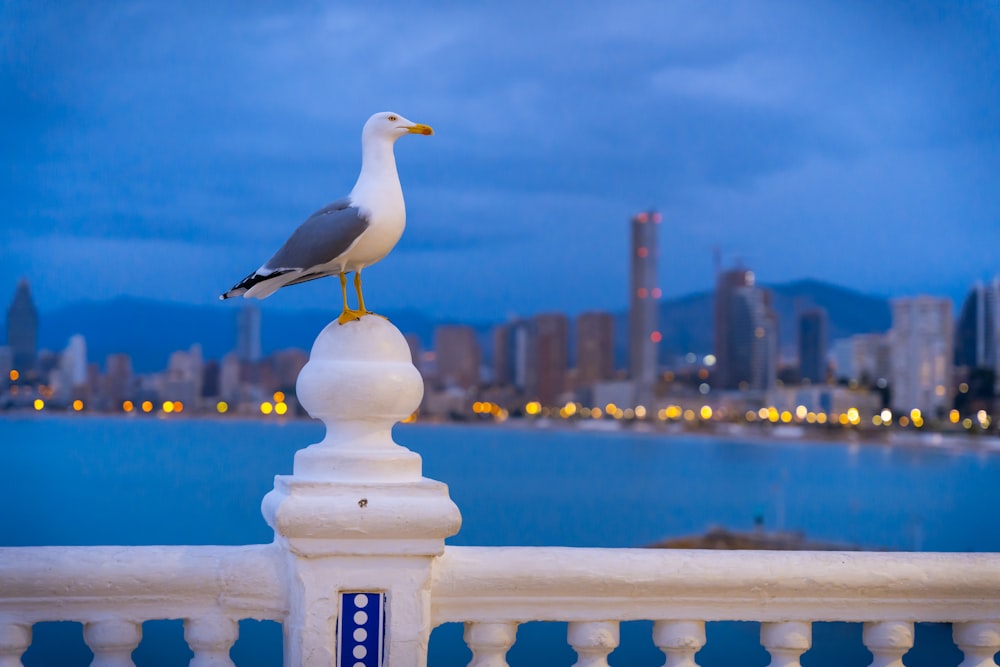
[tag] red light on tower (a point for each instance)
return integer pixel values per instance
(657, 218)
(642, 251)
(641, 292)
(642, 217)
(656, 336)
(657, 292)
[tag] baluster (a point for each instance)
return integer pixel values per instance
(211, 639)
(978, 641)
(593, 641)
(888, 641)
(15, 638)
(786, 642)
(489, 643)
(112, 642)
(679, 640)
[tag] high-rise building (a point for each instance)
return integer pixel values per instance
(22, 329)
(458, 356)
(865, 359)
(514, 355)
(812, 345)
(922, 354)
(726, 285)
(551, 356)
(595, 353)
(977, 333)
(644, 303)
(248, 333)
(753, 339)
(118, 379)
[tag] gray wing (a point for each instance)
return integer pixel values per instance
(326, 235)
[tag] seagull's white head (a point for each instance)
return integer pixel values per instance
(391, 126)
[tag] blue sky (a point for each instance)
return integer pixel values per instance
(165, 150)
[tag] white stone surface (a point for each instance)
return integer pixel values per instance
(357, 514)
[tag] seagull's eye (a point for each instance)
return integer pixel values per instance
(392, 119)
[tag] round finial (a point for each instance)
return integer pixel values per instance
(359, 381)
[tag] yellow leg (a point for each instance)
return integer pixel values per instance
(348, 314)
(362, 311)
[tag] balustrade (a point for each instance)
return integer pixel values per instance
(357, 516)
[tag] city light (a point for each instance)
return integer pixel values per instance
(77, 405)
(800, 412)
(178, 407)
(222, 407)
(710, 359)
(886, 416)
(14, 375)
(168, 406)
(281, 407)
(596, 413)
(954, 416)
(147, 406)
(128, 406)
(533, 408)
(39, 404)
(786, 417)
(266, 408)
(706, 412)
(278, 396)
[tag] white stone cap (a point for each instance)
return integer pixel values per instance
(357, 491)
(359, 381)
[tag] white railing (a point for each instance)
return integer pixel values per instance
(493, 590)
(113, 590)
(357, 523)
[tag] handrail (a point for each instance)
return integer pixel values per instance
(148, 582)
(519, 584)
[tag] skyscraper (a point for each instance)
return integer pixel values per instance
(248, 333)
(726, 284)
(977, 335)
(458, 356)
(922, 354)
(753, 339)
(812, 345)
(595, 353)
(644, 302)
(22, 329)
(551, 356)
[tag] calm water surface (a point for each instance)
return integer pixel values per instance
(85, 480)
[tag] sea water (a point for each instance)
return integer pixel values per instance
(79, 480)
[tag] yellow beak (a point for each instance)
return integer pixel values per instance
(425, 130)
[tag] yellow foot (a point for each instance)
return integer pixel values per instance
(349, 315)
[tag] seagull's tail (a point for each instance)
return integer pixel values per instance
(258, 285)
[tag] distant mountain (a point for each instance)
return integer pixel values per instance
(151, 330)
(687, 322)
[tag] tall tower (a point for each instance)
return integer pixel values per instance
(753, 340)
(644, 302)
(551, 356)
(595, 348)
(248, 333)
(727, 284)
(22, 329)
(922, 354)
(977, 334)
(812, 345)
(458, 356)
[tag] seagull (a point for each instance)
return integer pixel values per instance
(351, 233)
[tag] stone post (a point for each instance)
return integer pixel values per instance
(356, 515)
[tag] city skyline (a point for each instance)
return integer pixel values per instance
(849, 143)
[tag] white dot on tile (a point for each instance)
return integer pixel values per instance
(360, 635)
(360, 651)
(360, 600)
(360, 617)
